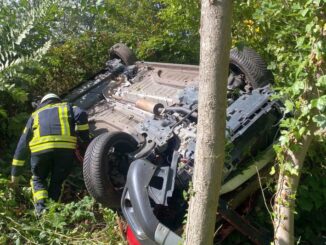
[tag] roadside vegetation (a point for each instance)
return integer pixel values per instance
(54, 45)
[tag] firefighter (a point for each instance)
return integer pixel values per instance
(51, 137)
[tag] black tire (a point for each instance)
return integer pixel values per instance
(121, 51)
(106, 165)
(247, 62)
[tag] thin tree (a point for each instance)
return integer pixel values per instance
(295, 141)
(215, 31)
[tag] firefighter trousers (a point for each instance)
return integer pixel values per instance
(56, 164)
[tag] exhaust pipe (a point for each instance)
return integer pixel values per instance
(149, 106)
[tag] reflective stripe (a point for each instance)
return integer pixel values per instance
(82, 127)
(32, 184)
(66, 119)
(50, 106)
(47, 107)
(51, 145)
(52, 138)
(62, 123)
(39, 195)
(36, 127)
(64, 140)
(25, 130)
(63, 117)
(16, 162)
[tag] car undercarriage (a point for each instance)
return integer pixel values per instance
(143, 116)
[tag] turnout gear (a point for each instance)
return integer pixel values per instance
(58, 163)
(15, 180)
(50, 136)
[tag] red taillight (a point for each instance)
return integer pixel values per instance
(131, 238)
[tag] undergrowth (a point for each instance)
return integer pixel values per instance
(77, 220)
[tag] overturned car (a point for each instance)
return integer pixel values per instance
(144, 115)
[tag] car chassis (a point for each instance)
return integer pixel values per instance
(144, 117)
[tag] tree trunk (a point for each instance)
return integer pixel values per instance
(213, 72)
(287, 186)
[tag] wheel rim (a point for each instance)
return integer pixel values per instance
(117, 163)
(237, 78)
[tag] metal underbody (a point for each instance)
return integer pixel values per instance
(155, 82)
(157, 104)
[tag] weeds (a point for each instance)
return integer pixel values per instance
(77, 222)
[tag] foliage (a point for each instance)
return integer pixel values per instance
(78, 222)
(178, 38)
(68, 64)
(311, 206)
(27, 72)
(289, 34)
(22, 40)
(292, 36)
(157, 30)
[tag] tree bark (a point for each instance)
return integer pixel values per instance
(216, 16)
(288, 183)
(287, 186)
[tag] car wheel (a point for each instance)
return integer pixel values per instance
(106, 164)
(121, 51)
(248, 70)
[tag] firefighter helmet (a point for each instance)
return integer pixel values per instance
(49, 96)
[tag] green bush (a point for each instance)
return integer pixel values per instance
(70, 63)
(79, 222)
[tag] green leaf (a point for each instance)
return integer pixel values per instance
(3, 113)
(300, 41)
(18, 242)
(272, 172)
(320, 120)
(304, 12)
(321, 82)
(288, 106)
(298, 86)
(309, 27)
(321, 103)
(302, 131)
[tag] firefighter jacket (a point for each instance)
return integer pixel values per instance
(53, 125)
